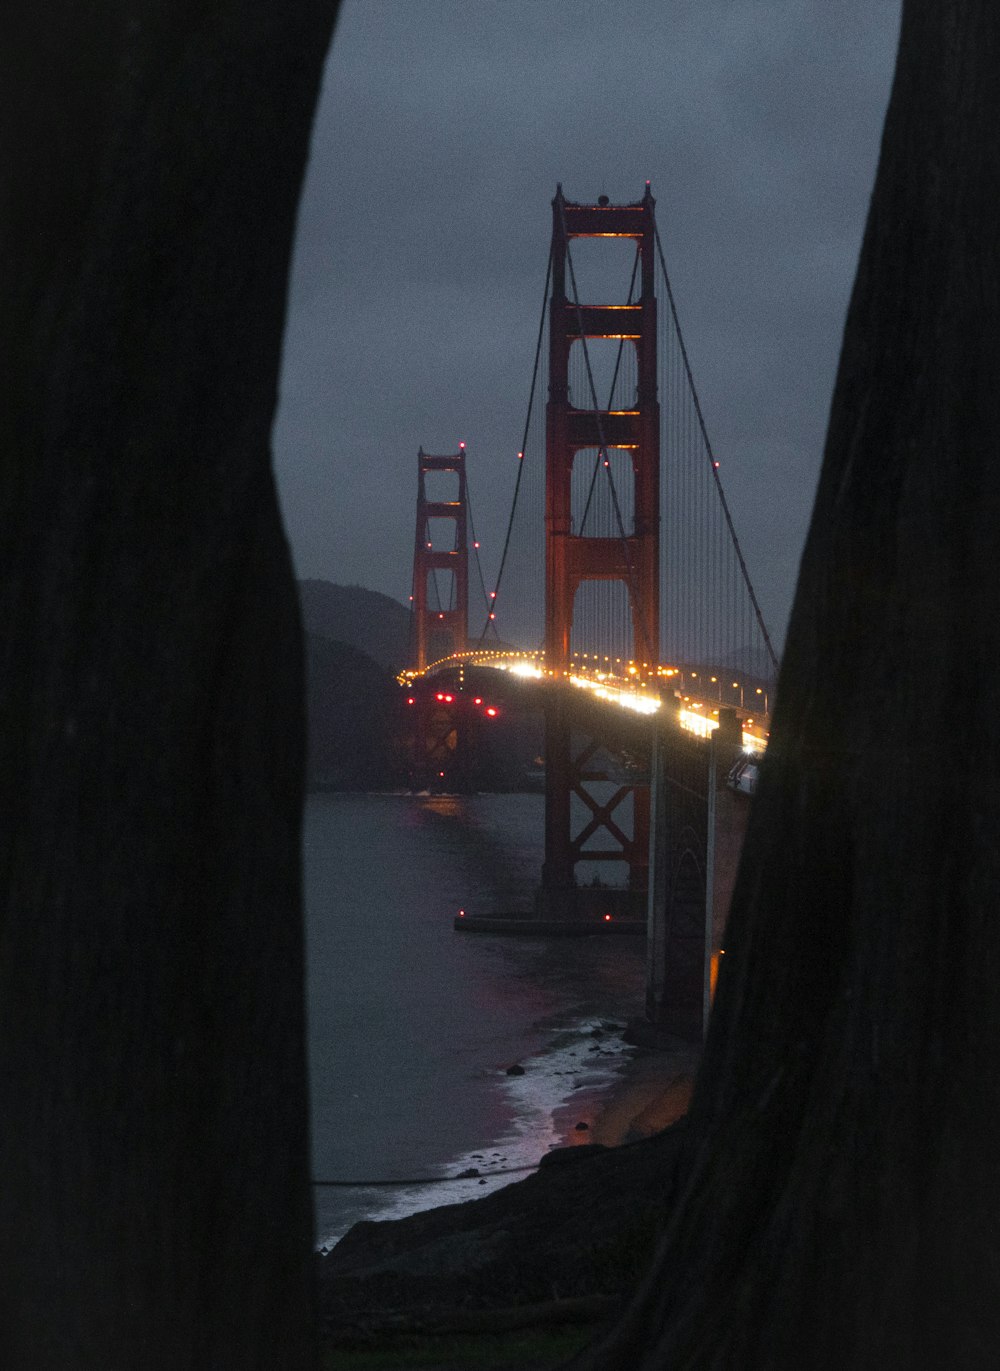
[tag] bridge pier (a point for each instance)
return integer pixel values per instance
(584, 767)
(586, 905)
(696, 838)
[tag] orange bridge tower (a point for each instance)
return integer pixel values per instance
(615, 826)
(441, 619)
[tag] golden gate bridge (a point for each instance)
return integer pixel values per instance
(621, 599)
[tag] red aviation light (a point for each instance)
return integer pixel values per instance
(607, 918)
(461, 447)
(410, 700)
(448, 699)
(491, 712)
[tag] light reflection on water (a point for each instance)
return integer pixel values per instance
(411, 1025)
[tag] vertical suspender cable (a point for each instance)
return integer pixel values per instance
(715, 471)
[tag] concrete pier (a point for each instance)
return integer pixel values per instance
(696, 837)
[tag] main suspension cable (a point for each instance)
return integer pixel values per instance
(490, 619)
(475, 549)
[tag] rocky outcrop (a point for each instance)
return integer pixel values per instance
(581, 1226)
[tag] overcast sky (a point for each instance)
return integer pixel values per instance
(443, 128)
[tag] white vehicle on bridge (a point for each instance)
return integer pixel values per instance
(743, 776)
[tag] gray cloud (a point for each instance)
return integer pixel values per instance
(442, 131)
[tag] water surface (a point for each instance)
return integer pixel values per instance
(412, 1026)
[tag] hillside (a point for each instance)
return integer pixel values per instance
(373, 623)
(351, 705)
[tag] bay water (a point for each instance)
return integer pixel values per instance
(413, 1026)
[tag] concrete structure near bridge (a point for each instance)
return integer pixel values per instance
(696, 838)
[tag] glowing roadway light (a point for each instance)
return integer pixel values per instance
(640, 704)
(696, 723)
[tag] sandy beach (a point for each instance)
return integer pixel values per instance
(652, 1091)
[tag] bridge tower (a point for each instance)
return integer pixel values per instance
(571, 558)
(440, 630)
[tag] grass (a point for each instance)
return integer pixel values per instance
(520, 1350)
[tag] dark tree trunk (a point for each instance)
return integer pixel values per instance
(842, 1202)
(154, 1201)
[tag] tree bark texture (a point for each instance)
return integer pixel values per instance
(154, 1200)
(841, 1208)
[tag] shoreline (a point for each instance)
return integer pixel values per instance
(649, 1089)
(574, 1233)
(652, 1091)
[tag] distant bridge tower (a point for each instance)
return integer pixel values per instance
(572, 559)
(442, 627)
